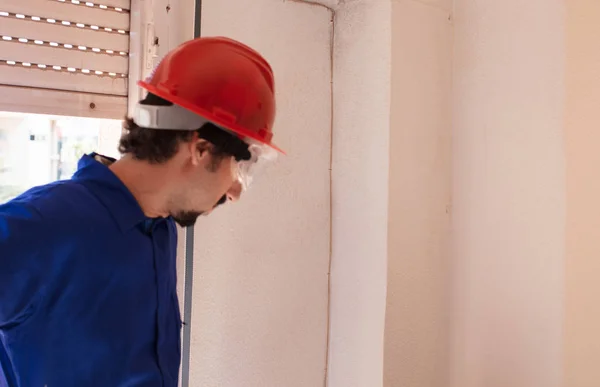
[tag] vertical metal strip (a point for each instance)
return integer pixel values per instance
(189, 261)
(187, 306)
(198, 19)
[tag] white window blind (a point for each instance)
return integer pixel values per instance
(65, 56)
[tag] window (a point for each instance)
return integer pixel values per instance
(67, 57)
(68, 72)
(38, 149)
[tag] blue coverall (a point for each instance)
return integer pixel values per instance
(87, 287)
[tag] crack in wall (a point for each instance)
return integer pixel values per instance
(332, 11)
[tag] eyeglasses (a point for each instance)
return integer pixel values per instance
(260, 156)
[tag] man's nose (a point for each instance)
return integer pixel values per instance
(234, 193)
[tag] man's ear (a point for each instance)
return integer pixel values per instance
(199, 149)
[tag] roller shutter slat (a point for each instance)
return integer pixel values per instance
(68, 12)
(56, 33)
(125, 4)
(59, 80)
(92, 56)
(44, 101)
(33, 53)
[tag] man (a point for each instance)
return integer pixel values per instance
(87, 266)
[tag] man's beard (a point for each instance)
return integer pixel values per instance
(189, 218)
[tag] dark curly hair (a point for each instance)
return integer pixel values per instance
(157, 146)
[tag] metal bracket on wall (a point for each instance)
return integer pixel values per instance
(187, 306)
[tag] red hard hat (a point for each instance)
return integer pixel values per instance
(221, 80)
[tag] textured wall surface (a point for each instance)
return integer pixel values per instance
(522, 212)
(582, 139)
(509, 193)
(260, 290)
(360, 194)
(419, 267)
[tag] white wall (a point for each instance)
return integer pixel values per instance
(261, 307)
(260, 291)
(260, 312)
(509, 193)
(582, 144)
(419, 266)
(361, 79)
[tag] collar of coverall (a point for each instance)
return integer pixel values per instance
(104, 160)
